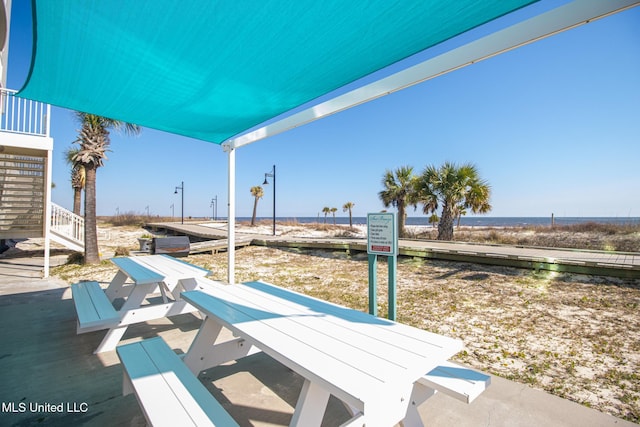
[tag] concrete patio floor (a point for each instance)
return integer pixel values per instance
(43, 361)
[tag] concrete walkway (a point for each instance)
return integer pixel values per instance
(43, 361)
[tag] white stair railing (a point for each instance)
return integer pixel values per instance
(67, 224)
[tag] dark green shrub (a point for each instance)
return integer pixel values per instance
(76, 258)
(121, 251)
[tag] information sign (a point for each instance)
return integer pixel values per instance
(382, 239)
(382, 235)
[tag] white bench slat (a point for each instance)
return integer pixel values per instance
(397, 342)
(92, 307)
(184, 264)
(396, 351)
(169, 266)
(403, 335)
(456, 381)
(169, 394)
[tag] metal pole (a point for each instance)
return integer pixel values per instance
(274, 200)
(47, 212)
(392, 266)
(231, 219)
(182, 208)
(272, 174)
(373, 286)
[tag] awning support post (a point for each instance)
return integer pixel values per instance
(231, 216)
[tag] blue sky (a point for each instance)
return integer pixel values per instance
(554, 127)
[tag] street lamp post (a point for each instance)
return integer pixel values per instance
(214, 205)
(171, 211)
(181, 188)
(272, 174)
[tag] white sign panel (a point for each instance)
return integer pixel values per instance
(382, 236)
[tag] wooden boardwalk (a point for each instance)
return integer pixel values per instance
(215, 238)
(620, 264)
(606, 263)
(191, 229)
(220, 245)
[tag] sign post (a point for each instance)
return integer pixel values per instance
(382, 239)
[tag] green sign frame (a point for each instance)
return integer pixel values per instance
(382, 239)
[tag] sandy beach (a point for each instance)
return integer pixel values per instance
(575, 336)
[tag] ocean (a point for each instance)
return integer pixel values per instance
(477, 221)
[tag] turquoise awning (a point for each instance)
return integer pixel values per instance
(212, 69)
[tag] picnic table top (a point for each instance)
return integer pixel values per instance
(156, 268)
(369, 362)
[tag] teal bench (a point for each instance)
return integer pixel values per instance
(94, 309)
(448, 378)
(456, 381)
(167, 391)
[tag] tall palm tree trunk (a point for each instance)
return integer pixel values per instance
(445, 226)
(77, 200)
(255, 210)
(94, 143)
(91, 253)
(401, 219)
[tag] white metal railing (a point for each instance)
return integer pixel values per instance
(66, 223)
(21, 115)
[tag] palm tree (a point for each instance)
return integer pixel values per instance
(456, 188)
(349, 207)
(459, 211)
(333, 211)
(398, 191)
(326, 211)
(433, 219)
(256, 192)
(77, 177)
(94, 142)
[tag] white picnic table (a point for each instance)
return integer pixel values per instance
(153, 272)
(137, 279)
(372, 365)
